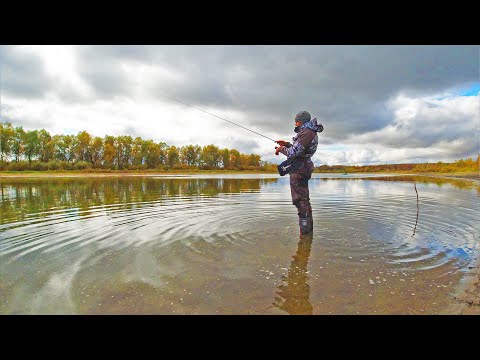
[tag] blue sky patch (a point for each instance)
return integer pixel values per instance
(471, 91)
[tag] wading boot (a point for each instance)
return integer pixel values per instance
(306, 225)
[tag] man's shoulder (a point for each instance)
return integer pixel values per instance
(306, 132)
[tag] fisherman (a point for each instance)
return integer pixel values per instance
(298, 158)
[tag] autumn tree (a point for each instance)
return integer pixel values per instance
(120, 152)
(96, 150)
(254, 160)
(235, 160)
(109, 151)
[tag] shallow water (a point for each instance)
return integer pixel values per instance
(230, 245)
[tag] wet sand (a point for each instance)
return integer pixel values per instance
(468, 296)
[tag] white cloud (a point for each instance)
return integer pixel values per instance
(60, 64)
(370, 112)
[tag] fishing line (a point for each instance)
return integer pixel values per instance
(209, 113)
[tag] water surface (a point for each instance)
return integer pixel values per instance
(230, 245)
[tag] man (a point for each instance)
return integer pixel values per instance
(303, 147)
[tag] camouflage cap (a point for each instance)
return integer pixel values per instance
(303, 116)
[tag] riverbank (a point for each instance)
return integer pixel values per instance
(473, 176)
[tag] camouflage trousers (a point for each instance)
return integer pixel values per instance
(299, 187)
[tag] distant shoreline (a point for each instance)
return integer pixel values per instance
(473, 177)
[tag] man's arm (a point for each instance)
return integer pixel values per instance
(304, 138)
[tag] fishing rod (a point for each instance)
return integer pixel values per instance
(209, 113)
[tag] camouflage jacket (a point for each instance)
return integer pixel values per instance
(305, 142)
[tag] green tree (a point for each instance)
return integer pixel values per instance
(83, 147)
(6, 138)
(173, 155)
(58, 148)
(189, 154)
(153, 154)
(63, 147)
(225, 155)
(210, 156)
(137, 151)
(31, 145)
(126, 150)
(70, 147)
(162, 146)
(18, 147)
(45, 146)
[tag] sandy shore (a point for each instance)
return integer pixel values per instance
(469, 295)
(466, 300)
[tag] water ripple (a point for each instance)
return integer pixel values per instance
(355, 222)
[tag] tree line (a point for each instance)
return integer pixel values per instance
(463, 165)
(38, 150)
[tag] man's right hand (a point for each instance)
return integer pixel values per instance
(283, 143)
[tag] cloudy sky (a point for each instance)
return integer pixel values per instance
(378, 104)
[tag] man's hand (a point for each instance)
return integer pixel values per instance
(278, 149)
(283, 143)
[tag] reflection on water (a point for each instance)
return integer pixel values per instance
(418, 209)
(224, 245)
(22, 197)
(294, 294)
